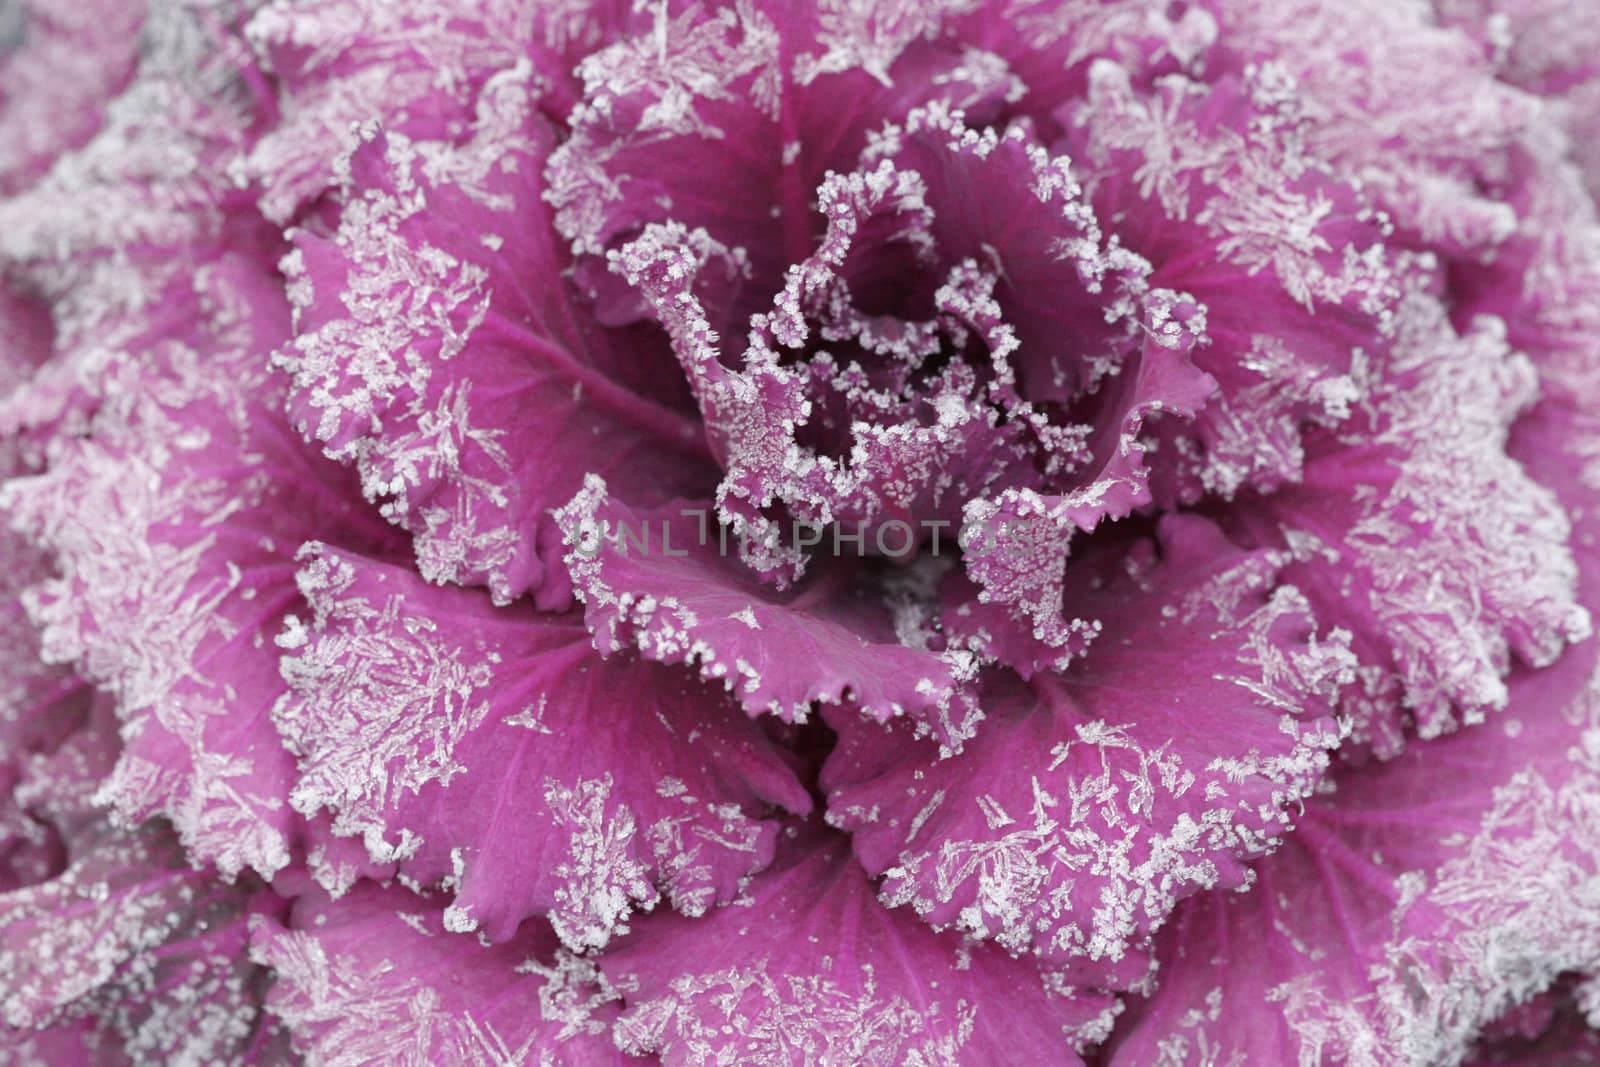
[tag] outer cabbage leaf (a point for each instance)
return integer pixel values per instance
(127, 952)
(493, 750)
(375, 977)
(441, 351)
(1092, 801)
(847, 981)
(338, 64)
(1415, 529)
(59, 66)
(174, 524)
(1419, 899)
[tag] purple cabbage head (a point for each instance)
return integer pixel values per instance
(901, 532)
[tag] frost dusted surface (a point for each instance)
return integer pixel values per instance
(1049, 531)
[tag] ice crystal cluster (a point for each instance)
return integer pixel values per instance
(887, 532)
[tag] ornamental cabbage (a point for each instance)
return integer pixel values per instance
(898, 532)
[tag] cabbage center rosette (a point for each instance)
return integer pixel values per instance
(947, 533)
